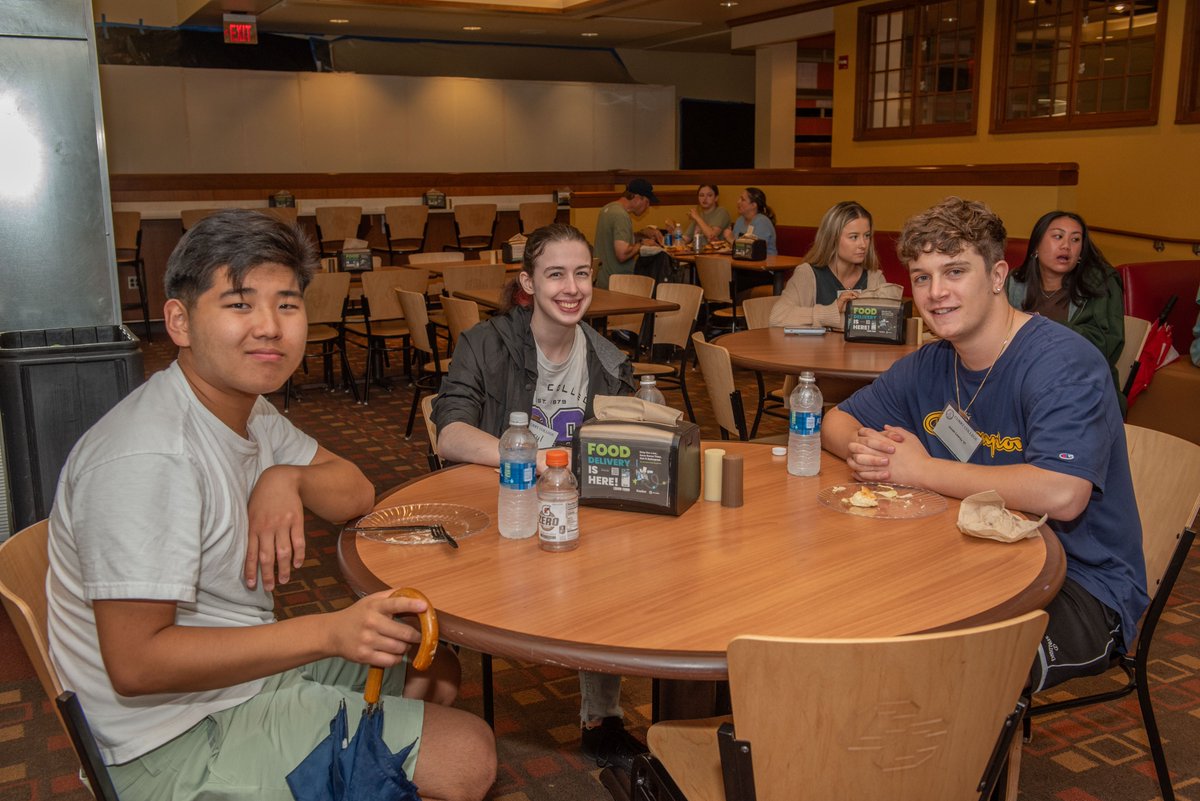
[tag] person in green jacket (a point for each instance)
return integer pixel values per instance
(1066, 278)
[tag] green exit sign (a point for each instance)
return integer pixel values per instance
(240, 28)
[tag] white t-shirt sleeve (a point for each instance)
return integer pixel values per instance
(147, 544)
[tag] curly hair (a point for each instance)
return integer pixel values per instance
(1086, 280)
(949, 228)
(829, 235)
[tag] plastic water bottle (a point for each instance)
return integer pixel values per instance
(649, 391)
(804, 427)
(516, 508)
(679, 240)
(667, 238)
(558, 505)
(698, 245)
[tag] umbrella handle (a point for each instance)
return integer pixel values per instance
(425, 652)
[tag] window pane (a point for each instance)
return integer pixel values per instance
(1116, 58)
(1089, 61)
(1085, 97)
(1138, 92)
(1112, 94)
(1141, 55)
(1018, 104)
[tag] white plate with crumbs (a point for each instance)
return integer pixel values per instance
(459, 521)
(884, 501)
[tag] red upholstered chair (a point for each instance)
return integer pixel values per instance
(794, 240)
(1148, 286)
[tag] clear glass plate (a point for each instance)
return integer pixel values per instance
(459, 521)
(906, 502)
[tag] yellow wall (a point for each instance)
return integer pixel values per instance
(1135, 179)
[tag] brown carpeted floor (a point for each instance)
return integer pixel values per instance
(1095, 754)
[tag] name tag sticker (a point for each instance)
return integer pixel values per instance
(955, 432)
(546, 436)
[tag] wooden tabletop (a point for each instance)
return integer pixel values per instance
(605, 302)
(769, 264)
(656, 595)
(769, 350)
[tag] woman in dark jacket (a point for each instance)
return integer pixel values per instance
(1066, 278)
(537, 357)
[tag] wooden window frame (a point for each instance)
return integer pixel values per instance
(915, 130)
(1187, 108)
(1070, 121)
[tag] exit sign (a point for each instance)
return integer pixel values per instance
(240, 28)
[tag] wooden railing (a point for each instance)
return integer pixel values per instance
(1160, 240)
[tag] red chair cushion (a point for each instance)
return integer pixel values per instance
(1148, 286)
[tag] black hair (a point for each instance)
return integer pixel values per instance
(1087, 279)
(240, 240)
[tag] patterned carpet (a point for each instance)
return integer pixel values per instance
(1095, 754)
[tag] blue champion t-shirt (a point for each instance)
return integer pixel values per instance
(1049, 402)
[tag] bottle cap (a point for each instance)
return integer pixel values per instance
(518, 419)
(808, 375)
(779, 450)
(648, 379)
(556, 458)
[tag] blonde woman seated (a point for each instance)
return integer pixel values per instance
(840, 265)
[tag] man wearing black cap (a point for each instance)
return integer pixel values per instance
(615, 243)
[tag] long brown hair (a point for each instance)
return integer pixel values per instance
(535, 245)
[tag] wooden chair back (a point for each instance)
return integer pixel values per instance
(24, 562)
(288, 215)
(126, 227)
(717, 370)
(902, 718)
(379, 288)
(674, 327)
(406, 223)
(413, 305)
(464, 277)
(325, 297)
(488, 256)
(189, 217)
(338, 223)
(1136, 330)
(475, 219)
(461, 314)
(435, 258)
(715, 274)
(758, 310)
(1166, 484)
(630, 284)
(536, 215)
(430, 428)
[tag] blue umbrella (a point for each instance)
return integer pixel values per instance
(363, 768)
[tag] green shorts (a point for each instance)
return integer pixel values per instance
(248, 750)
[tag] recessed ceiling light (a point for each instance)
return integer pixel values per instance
(472, 28)
(728, 3)
(589, 34)
(339, 21)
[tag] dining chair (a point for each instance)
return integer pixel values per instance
(472, 275)
(474, 226)
(726, 398)
(424, 343)
(325, 304)
(672, 331)
(189, 217)
(1166, 486)
(435, 258)
(127, 242)
(532, 216)
(1136, 330)
(461, 314)
(382, 319)
(772, 402)
(24, 563)
(632, 324)
(405, 229)
(336, 224)
(924, 717)
(488, 256)
(721, 313)
(435, 461)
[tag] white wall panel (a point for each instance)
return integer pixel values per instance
(164, 119)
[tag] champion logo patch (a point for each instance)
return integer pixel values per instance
(1066, 457)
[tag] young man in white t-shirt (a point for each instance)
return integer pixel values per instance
(172, 516)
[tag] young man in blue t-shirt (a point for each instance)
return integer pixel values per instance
(1009, 402)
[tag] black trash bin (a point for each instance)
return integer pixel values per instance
(54, 384)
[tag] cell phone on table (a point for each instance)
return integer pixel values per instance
(804, 330)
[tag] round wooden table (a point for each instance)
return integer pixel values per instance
(662, 596)
(769, 350)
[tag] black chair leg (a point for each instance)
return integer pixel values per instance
(412, 413)
(762, 404)
(1152, 735)
(489, 696)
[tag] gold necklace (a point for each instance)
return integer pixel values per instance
(1003, 345)
(1049, 295)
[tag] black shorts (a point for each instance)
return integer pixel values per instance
(1081, 637)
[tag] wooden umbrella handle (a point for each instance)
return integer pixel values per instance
(425, 652)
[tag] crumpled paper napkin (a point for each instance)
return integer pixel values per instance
(984, 515)
(618, 407)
